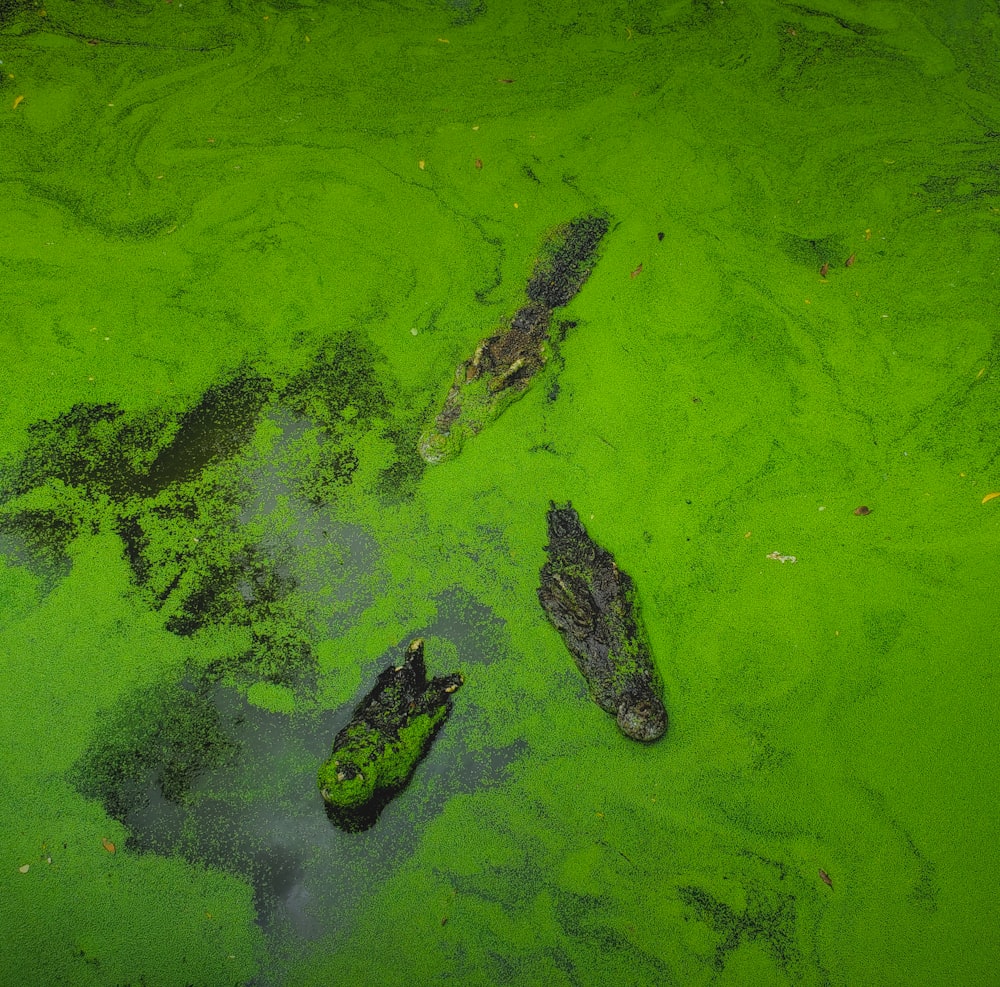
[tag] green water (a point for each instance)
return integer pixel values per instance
(244, 248)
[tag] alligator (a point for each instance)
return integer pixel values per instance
(594, 606)
(502, 367)
(392, 728)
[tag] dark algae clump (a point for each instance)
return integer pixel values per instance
(173, 486)
(375, 755)
(769, 922)
(593, 604)
(502, 367)
(161, 738)
(343, 397)
(92, 448)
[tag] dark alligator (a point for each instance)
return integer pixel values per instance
(500, 370)
(593, 604)
(375, 755)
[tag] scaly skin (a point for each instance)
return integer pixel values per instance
(593, 604)
(391, 730)
(502, 367)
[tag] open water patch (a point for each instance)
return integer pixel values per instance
(196, 769)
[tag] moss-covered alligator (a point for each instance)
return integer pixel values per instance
(593, 604)
(499, 372)
(377, 752)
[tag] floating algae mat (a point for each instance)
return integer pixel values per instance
(244, 251)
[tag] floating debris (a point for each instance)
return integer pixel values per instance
(862, 510)
(107, 844)
(24, 868)
(778, 557)
(825, 878)
(991, 496)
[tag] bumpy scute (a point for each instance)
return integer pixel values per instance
(391, 730)
(593, 604)
(503, 365)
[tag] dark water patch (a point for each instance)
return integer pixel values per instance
(330, 560)
(98, 449)
(194, 557)
(217, 427)
(153, 478)
(99, 466)
(280, 653)
(135, 544)
(332, 468)
(182, 535)
(463, 12)
(343, 558)
(253, 590)
(344, 394)
(197, 770)
(339, 385)
(9, 9)
(38, 540)
(475, 629)
(230, 591)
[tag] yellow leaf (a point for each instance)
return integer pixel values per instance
(990, 496)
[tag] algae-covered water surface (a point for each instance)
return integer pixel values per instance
(310, 312)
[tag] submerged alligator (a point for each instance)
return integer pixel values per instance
(593, 604)
(391, 730)
(500, 370)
